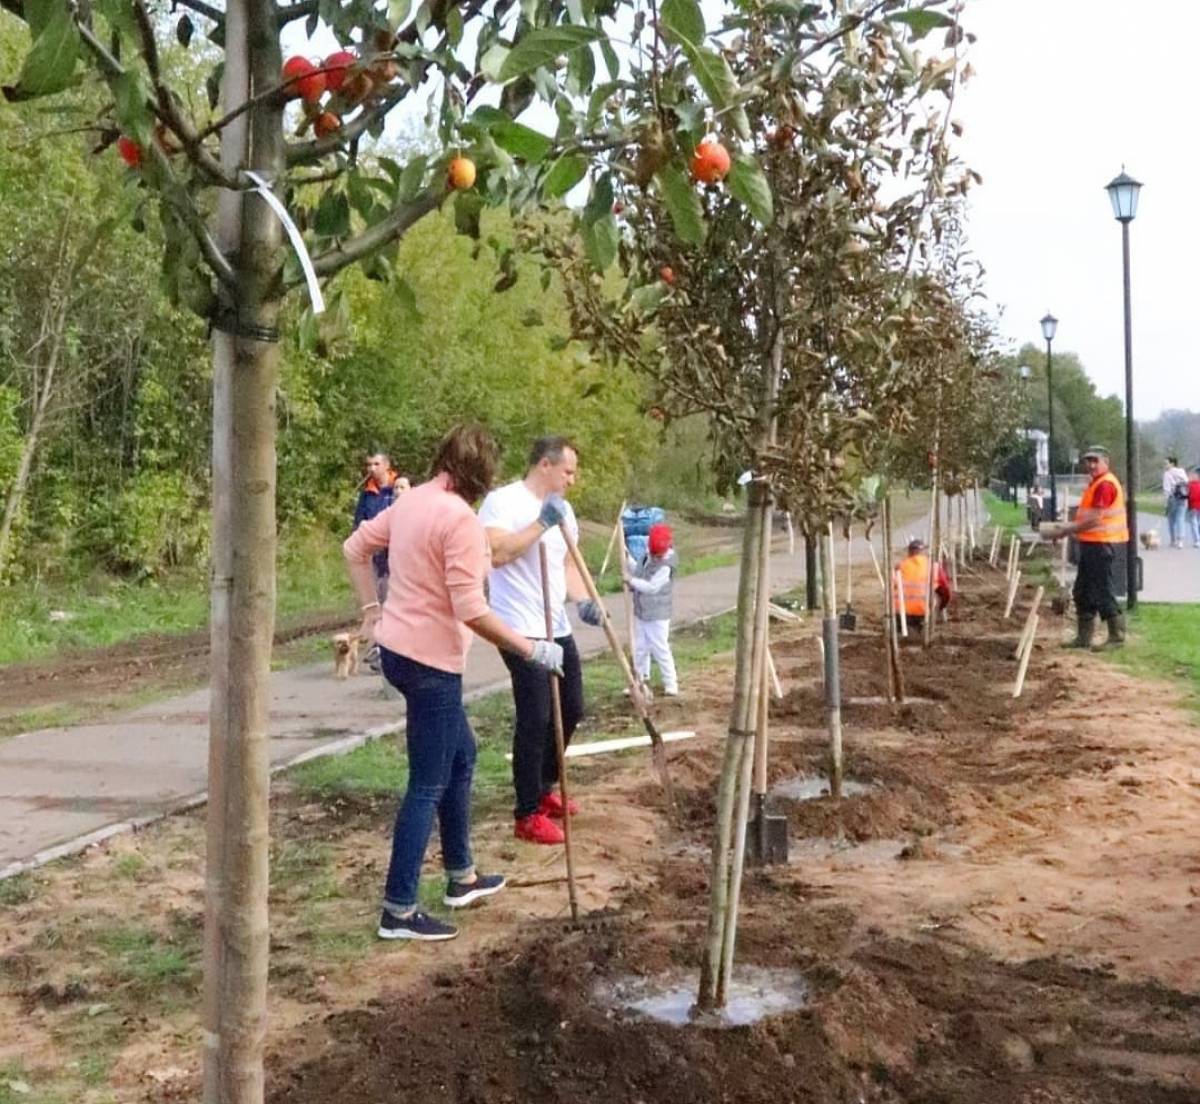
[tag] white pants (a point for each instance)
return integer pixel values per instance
(650, 641)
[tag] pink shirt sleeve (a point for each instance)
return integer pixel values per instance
(466, 560)
(370, 537)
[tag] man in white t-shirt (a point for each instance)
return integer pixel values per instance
(517, 518)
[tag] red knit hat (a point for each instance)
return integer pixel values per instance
(660, 539)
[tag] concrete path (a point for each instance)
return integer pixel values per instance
(63, 788)
(1169, 574)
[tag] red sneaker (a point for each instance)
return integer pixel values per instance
(538, 828)
(552, 806)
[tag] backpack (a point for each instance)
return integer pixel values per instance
(1180, 490)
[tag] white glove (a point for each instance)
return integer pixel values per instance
(548, 656)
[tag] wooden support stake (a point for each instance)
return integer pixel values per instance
(613, 539)
(776, 685)
(875, 564)
(994, 554)
(900, 604)
(1020, 683)
(1012, 593)
(1062, 567)
(560, 743)
(1014, 546)
(1033, 612)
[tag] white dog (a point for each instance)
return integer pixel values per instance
(1149, 539)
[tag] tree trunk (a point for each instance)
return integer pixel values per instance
(833, 693)
(811, 594)
(245, 360)
(891, 633)
(736, 747)
(16, 493)
(758, 674)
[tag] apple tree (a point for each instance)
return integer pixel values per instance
(275, 176)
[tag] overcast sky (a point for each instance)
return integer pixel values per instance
(1065, 91)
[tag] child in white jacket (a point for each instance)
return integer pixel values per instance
(650, 579)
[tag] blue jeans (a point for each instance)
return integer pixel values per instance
(1194, 522)
(1176, 512)
(441, 764)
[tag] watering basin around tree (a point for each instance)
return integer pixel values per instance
(755, 993)
(809, 787)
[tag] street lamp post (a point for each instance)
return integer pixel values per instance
(1030, 476)
(1049, 328)
(1123, 192)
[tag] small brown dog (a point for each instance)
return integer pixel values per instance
(345, 654)
(1149, 538)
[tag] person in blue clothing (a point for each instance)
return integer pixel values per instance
(378, 492)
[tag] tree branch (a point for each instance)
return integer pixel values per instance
(167, 108)
(375, 237)
(292, 12)
(201, 8)
(302, 153)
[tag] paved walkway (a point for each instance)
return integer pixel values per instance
(1169, 574)
(61, 788)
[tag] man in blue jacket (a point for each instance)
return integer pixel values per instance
(377, 494)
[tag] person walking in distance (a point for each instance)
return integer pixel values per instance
(1100, 524)
(517, 517)
(1175, 491)
(650, 579)
(438, 559)
(377, 493)
(913, 590)
(1194, 507)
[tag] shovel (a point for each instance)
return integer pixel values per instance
(766, 834)
(848, 621)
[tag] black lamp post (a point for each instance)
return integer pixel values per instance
(1123, 192)
(1031, 476)
(1049, 329)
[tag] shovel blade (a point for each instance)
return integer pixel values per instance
(767, 840)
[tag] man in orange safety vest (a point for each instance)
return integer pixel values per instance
(913, 588)
(1100, 524)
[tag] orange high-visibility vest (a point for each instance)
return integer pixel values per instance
(914, 577)
(1113, 527)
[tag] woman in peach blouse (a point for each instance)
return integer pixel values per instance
(437, 562)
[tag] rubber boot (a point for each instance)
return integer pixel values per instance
(1116, 631)
(1084, 633)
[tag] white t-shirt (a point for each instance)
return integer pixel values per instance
(515, 589)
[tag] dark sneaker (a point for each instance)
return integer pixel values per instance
(420, 925)
(461, 894)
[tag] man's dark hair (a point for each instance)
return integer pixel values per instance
(1173, 461)
(469, 455)
(550, 448)
(380, 452)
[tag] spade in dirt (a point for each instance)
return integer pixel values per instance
(766, 833)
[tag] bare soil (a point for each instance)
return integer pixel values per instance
(1007, 913)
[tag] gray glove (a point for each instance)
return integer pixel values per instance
(553, 511)
(590, 613)
(548, 656)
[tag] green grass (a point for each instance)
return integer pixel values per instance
(1164, 642)
(1008, 515)
(103, 610)
(20, 889)
(147, 961)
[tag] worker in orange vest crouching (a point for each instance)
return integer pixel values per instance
(913, 588)
(1100, 524)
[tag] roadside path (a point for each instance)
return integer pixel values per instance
(1170, 574)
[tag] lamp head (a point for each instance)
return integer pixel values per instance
(1123, 194)
(1049, 326)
